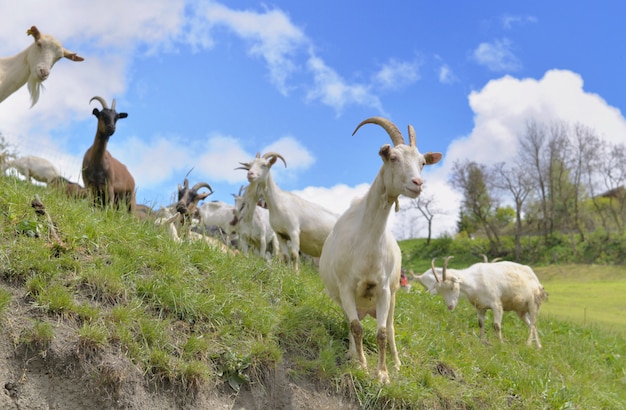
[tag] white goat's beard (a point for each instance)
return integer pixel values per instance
(34, 88)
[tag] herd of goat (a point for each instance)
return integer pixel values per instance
(359, 258)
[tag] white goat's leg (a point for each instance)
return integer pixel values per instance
(481, 325)
(531, 334)
(262, 246)
(382, 314)
(534, 334)
(391, 333)
(294, 251)
(497, 321)
(356, 329)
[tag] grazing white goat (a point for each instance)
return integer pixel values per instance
(252, 224)
(105, 177)
(175, 224)
(33, 167)
(300, 225)
(217, 214)
(32, 65)
(361, 260)
(502, 286)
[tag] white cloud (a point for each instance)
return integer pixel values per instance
(272, 34)
(220, 157)
(332, 90)
(336, 198)
(446, 76)
(497, 56)
(397, 74)
(509, 21)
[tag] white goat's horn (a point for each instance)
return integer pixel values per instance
(445, 266)
(392, 130)
(274, 154)
(432, 265)
(412, 138)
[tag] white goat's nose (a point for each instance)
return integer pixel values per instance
(43, 73)
(418, 181)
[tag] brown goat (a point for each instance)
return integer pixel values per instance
(71, 189)
(188, 199)
(107, 179)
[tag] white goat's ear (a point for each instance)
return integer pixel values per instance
(432, 157)
(385, 152)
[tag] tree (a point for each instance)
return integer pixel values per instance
(6, 151)
(531, 153)
(479, 205)
(516, 181)
(426, 205)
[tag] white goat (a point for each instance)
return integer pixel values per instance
(501, 286)
(33, 167)
(252, 224)
(175, 224)
(32, 65)
(361, 260)
(217, 214)
(300, 225)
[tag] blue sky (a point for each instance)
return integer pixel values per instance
(208, 84)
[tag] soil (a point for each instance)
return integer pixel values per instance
(61, 375)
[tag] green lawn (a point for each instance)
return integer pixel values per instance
(591, 294)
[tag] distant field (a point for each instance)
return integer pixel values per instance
(590, 294)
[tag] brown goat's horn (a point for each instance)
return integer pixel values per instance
(392, 130)
(101, 100)
(34, 31)
(186, 185)
(202, 185)
(445, 266)
(113, 104)
(412, 138)
(432, 265)
(274, 154)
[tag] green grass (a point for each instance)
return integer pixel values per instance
(190, 317)
(590, 294)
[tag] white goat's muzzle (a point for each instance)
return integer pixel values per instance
(43, 73)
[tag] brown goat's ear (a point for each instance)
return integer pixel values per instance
(385, 152)
(432, 157)
(96, 112)
(122, 115)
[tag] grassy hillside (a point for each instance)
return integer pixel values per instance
(193, 319)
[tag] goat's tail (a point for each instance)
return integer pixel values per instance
(540, 295)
